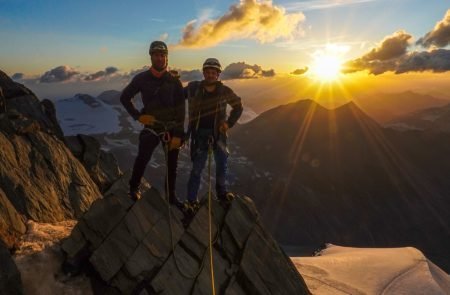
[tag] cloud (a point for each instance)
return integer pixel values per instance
(58, 74)
(17, 76)
(249, 19)
(321, 4)
(164, 37)
(439, 36)
(392, 46)
(300, 71)
(101, 74)
(385, 57)
(192, 75)
(241, 70)
(435, 61)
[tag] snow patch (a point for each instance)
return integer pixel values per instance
(346, 270)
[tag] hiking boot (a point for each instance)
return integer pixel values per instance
(190, 209)
(226, 197)
(134, 194)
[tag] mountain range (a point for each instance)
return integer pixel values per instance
(338, 176)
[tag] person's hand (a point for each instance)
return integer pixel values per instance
(175, 143)
(146, 119)
(224, 127)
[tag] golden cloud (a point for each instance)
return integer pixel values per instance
(250, 19)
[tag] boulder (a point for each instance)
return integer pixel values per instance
(148, 247)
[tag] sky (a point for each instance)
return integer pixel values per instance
(55, 47)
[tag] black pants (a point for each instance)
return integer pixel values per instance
(148, 141)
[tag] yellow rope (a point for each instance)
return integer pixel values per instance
(213, 289)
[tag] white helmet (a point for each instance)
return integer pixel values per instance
(212, 63)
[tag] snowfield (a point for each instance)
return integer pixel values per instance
(346, 270)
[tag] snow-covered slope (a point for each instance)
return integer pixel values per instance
(85, 114)
(346, 270)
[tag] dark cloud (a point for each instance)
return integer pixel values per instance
(58, 74)
(391, 47)
(101, 74)
(385, 57)
(435, 61)
(439, 36)
(252, 19)
(111, 70)
(134, 72)
(300, 71)
(192, 75)
(241, 70)
(17, 76)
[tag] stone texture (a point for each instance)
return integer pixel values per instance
(137, 249)
(101, 165)
(12, 224)
(40, 179)
(10, 283)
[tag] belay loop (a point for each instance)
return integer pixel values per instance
(210, 143)
(165, 138)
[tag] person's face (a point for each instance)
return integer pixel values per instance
(159, 60)
(211, 75)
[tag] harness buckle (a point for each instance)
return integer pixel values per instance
(166, 137)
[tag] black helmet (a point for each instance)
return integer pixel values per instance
(212, 63)
(158, 46)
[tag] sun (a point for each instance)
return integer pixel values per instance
(327, 63)
(326, 68)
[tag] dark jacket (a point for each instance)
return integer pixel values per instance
(194, 92)
(162, 98)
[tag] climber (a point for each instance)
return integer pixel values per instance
(162, 116)
(208, 126)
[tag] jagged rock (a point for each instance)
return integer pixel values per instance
(40, 179)
(2, 102)
(20, 104)
(135, 248)
(12, 225)
(10, 282)
(101, 165)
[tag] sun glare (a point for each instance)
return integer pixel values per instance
(327, 63)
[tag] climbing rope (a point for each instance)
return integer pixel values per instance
(165, 138)
(210, 144)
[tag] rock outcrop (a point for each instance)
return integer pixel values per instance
(40, 179)
(101, 165)
(144, 248)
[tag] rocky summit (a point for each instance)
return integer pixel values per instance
(148, 247)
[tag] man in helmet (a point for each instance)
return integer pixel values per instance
(162, 116)
(208, 124)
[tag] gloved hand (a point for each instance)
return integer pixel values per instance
(175, 143)
(223, 128)
(147, 119)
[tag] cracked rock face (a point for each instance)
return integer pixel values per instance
(135, 248)
(40, 179)
(101, 165)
